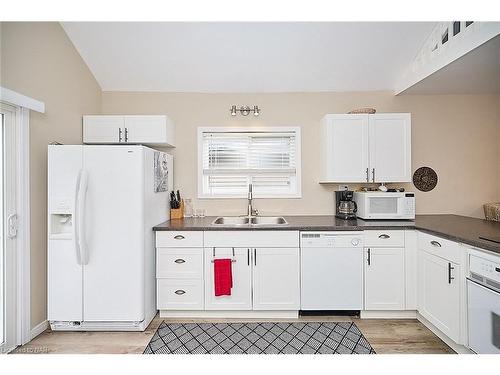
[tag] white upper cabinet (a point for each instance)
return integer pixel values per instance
(148, 130)
(366, 148)
(345, 150)
(103, 129)
(390, 147)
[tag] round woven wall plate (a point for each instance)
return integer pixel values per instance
(425, 179)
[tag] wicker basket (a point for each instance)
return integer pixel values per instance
(362, 110)
(492, 211)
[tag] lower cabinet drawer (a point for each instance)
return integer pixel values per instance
(384, 238)
(179, 294)
(441, 247)
(184, 263)
(179, 239)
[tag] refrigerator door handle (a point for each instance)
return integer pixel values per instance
(82, 195)
(76, 221)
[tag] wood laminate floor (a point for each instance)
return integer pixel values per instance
(407, 336)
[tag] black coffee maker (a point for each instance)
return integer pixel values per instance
(345, 207)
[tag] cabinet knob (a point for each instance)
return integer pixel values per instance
(180, 292)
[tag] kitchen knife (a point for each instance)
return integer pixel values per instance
(173, 203)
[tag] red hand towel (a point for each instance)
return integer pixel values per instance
(223, 277)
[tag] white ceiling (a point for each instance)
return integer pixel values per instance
(247, 57)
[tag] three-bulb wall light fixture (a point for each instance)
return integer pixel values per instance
(245, 110)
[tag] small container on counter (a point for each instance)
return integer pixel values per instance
(188, 207)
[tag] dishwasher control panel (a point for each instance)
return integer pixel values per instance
(331, 239)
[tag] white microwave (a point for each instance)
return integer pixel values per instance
(384, 205)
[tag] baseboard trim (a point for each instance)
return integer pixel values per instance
(458, 348)
(99, 326)
(39, 329)
(388, 314)
(237, 314)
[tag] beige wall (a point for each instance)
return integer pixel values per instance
(38, 60)
(458, 136)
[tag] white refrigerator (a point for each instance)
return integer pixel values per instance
(102, 204)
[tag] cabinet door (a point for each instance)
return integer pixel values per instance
(276, 279)
(241, 293)
(384, 278)
(439, 294)
(390, 147)
(146, 129)
(103, 129)
(345, 157)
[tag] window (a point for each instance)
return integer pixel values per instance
(444, 37)
(231, 159)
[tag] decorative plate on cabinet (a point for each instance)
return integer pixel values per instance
(425, 179)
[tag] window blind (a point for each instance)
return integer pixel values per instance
(233, 160)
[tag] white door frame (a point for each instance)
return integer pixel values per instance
(23, 233)
(22, 210)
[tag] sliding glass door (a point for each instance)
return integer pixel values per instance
(8, 227)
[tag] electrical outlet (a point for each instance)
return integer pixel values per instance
(343, 187)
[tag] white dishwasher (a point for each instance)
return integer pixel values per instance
(332, 270)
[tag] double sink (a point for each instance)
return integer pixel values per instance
(253, 220)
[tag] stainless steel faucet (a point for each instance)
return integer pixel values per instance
(250, 210)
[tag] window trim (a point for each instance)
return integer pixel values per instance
(224, 129)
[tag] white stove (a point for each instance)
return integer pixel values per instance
(483, 286)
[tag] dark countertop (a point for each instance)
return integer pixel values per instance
(453, 227)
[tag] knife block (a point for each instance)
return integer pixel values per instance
(177, 213)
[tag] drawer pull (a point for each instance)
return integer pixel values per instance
(179, 261)
(384, 236)
(497, 269)
(179, 237)
(435, 243)
(180, 292)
